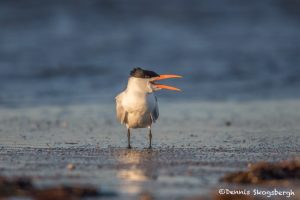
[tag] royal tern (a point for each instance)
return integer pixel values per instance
(137, 106)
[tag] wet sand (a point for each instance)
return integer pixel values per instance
(195, 144)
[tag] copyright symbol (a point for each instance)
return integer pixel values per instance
(221, 191)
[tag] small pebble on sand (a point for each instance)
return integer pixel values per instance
(228, 123)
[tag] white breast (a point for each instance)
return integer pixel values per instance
(138, 110)
(135, 107)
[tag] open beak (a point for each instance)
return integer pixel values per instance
(165, 76)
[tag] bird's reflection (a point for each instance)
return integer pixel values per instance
(134, 169)
(132, 174)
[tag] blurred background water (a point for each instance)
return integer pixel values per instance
(77, 52)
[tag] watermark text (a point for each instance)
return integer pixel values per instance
(258, 192)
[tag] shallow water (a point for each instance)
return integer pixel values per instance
(82, 52)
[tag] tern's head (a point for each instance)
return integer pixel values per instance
(145, 80)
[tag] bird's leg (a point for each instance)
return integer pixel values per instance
(150, 138)
(128, 138)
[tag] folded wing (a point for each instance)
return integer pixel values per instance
(155, 112)
(121, 112)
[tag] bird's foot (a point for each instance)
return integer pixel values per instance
(150, 147)
(129, 147)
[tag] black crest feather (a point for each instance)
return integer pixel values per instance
(142, 73)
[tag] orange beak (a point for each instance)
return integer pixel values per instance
(165, 76)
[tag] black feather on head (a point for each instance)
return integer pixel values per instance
(142, 73)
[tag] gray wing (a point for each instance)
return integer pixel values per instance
(155, 112)
(121, 112)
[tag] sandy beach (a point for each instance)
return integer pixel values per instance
(194, 144)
